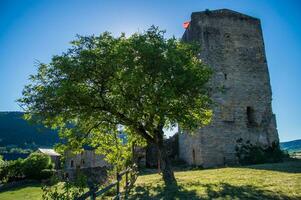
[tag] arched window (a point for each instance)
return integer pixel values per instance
(72, 164)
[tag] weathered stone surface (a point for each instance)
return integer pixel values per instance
(92, 165)
(232, 45)
(85, 159)
(172, 148)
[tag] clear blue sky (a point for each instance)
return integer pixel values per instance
(33, 30)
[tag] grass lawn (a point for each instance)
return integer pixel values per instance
(267, 181)
(25, 192)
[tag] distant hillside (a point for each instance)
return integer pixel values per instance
(15, 131)
(291, 146)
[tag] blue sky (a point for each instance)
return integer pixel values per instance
(32, 30)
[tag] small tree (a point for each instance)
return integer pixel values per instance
(118, 151)
(11, 170)
(34, 165)
(3, 170)
(144, 82)
(67, 190)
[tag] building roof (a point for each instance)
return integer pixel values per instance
(49, 152)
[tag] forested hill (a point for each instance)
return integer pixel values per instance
(14, 130)
(291, 146)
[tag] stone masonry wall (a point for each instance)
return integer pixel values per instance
(86, 159)
(232, 45)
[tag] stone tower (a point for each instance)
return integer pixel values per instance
(232, 45)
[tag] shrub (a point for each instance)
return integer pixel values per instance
(37, 166)
(3, 170)
(248, 153)
(34, 165)
(64, 190)
(15, 170)
(11, 170)
(47, 173)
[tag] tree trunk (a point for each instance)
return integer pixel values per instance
(165, 164)
(167, 172)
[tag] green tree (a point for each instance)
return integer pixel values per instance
(34, 165)
(144, 82)
(118, 152)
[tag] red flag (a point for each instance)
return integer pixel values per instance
(186, 24)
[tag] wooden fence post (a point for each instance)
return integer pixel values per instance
(118, 187)
(126, 184)
(93, 195)
(130, 178)
(92, 190)
(126, 181)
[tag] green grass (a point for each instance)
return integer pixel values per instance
(267, 181)
(25, 192)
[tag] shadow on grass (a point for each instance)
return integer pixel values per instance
(162, 192)
(210, 191)
(22, 186)
(227, 191)
(290, 166)
(149, 171)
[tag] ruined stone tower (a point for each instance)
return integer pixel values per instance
(232, 45)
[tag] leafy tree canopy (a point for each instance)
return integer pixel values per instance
(144, 82)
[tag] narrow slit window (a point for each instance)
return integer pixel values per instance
(250, 116)
(193, 157)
